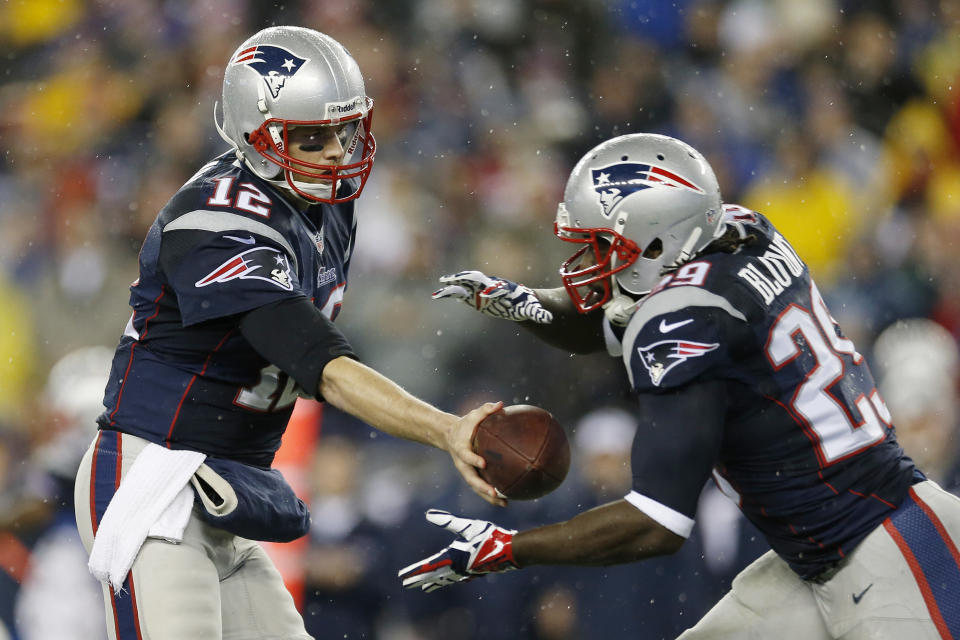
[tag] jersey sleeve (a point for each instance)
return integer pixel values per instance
(222, 273)
(678, 336)
(675, 448)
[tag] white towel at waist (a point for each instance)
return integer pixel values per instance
(154, 499)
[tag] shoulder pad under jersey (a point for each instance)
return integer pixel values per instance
(672, 327)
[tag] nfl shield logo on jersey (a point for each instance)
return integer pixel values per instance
(660, 357)
(274, 64)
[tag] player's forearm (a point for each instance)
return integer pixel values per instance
(613, 533)
(570, 329)
(366, 394)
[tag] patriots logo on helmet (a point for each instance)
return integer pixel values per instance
(615, 182)
(275, 64)
(259, 263)
(660, 357)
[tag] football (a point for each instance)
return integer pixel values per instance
(526, 450)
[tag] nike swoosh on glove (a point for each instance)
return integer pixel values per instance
(484, 548)
(493, 296)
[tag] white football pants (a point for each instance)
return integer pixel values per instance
(212, 586)
(901, 582)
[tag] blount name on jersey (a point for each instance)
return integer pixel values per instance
(773, 272)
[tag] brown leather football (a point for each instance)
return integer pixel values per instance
(526, 450)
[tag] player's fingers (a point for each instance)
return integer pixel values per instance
(543, 316)
(451, 291)
(493, 292)
(486, 409)
(412, 582)
(439, 517)
(464, 447)
(421, 567)
(450, 522)
(460, 438)
(471, 277)
(439, 584)
(478, 484)
(464, 453)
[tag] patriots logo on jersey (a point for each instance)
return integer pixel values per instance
(275, 64)
(615, 182)
(260, 263)
(660, 357)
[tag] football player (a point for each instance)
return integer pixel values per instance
(740, 372)
(241, 277)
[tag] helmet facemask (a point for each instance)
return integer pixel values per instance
(587, 274)
(272, 141)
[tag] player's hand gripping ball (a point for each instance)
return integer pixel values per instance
(526, 451)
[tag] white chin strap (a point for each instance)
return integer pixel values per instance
(620, 308)
(315, 189)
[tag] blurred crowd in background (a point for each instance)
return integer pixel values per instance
(839, 119)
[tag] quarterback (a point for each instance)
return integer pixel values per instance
(241, 277)
(740, 373)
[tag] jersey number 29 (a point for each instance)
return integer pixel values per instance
(828, 420)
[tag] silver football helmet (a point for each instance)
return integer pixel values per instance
(640, 204)
(286, 77)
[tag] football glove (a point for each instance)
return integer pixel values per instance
(495, 297)
(484, 548)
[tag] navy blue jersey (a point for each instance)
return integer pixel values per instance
(803, 442)
(226, 243)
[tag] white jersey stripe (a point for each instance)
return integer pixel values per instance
(219, 221)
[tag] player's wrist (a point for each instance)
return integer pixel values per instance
(516, 551)
(495, 553)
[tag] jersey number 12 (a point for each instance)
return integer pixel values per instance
(275, 391)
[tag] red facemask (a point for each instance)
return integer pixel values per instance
(588, 283)
(265, 144)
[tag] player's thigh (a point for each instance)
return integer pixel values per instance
(172, 590)
(766, 600)
(175, 594)
(171, 593)
(179, 590)
(256, 604)
(902, 580)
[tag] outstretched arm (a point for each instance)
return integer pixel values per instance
(547, 313)
(570, 330)
(614, 533)
(362, 392)
(295, 336)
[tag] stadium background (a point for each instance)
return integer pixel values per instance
(839, 119)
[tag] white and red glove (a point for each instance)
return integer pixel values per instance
(493, 296)
(485, 548)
